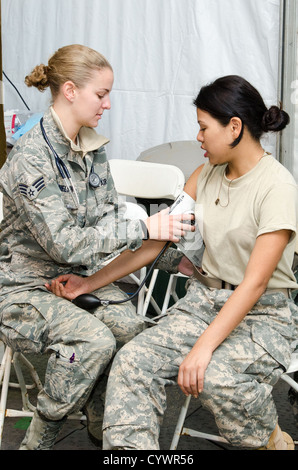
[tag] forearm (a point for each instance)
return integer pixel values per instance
(126, 263)
(170, 261)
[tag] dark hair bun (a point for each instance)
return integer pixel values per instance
(275, 119)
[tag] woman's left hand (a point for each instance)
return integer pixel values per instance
(186, 267)
(192, 371)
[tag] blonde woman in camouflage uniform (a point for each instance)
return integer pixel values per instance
(54, 225)
(231, 337)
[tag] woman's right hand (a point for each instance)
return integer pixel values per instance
(163, 226)
(68, 286)
(192, 370)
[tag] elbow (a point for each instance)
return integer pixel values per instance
(256, 286)
(260, 288)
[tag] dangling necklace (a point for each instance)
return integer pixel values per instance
(229, 185)
(218, 197)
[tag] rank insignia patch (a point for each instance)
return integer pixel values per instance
(31, 192)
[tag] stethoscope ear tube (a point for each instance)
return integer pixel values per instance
(62, 168)
(90, 302)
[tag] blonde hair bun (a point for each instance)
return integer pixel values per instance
(38, 78)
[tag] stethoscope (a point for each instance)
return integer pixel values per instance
(94, 179)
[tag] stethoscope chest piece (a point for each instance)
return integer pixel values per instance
(94, 180)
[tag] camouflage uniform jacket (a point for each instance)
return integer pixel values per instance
(42, 234)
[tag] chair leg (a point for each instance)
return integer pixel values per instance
(170, 292)
(286, 378)
(141, 293)
(180, 423)
(18, 358)
(3, 362)
(181, 430)
(149, 299)
(5, 374)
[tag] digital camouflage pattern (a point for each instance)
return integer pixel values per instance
(43, 235)
(238, 380)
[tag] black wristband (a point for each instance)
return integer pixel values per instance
(144, 230)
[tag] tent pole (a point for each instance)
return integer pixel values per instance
(289, 19)
(2, 127)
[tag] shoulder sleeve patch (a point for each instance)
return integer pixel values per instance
(31, 192)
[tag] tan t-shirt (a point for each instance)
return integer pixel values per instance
(261, 201)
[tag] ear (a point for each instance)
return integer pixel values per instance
(236, 126)
(68, 89)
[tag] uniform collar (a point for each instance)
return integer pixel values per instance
(62, 144)
(89, 140)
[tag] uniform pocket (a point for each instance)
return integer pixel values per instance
(23, 328)
(24, 322)
(272, 342)
(71, 374)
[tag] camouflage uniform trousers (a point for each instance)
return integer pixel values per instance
(81, 345)
(238, 381)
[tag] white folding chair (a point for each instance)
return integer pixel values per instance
(18, 360)
(182, 430)
(147, 181)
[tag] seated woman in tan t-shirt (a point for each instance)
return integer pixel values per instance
(228, 342)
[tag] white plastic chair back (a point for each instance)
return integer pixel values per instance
(147, 180)
(185, 154)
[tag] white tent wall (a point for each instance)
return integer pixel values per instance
(162, 52)
(294, 99)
